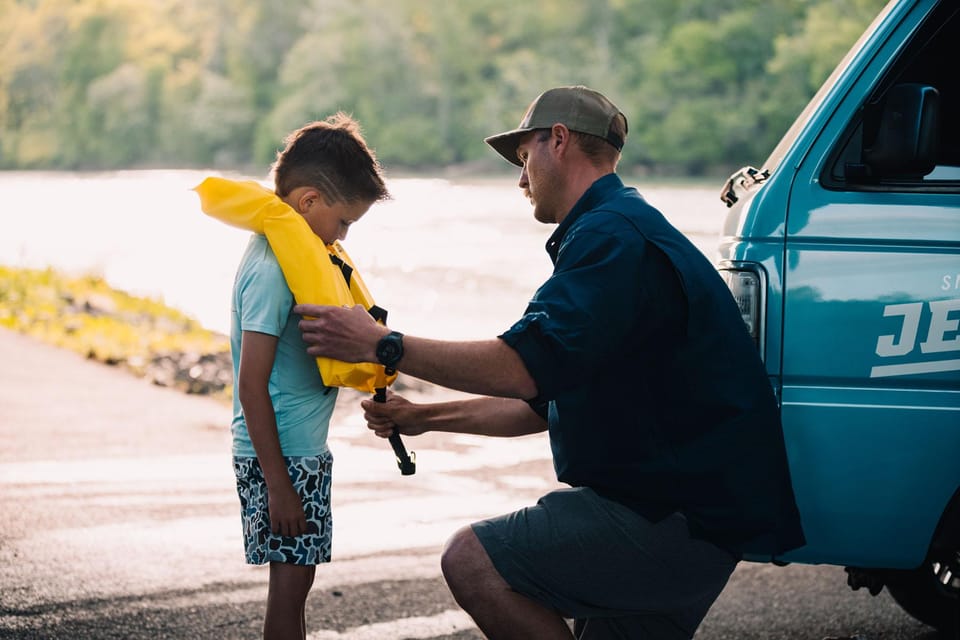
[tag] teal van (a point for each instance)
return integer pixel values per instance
(843, 252)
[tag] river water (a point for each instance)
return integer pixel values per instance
(447, 259)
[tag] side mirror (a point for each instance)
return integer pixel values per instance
(901, 140)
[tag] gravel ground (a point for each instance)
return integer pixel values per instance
(119, 520)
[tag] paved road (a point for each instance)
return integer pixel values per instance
(118, 519)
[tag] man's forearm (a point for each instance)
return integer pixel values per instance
(488, 367)
(487, 416)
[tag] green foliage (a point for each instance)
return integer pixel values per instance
(85, 315)
(114, 83)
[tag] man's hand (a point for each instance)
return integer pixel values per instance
(396, 414)
(482, 367)
(349, 334)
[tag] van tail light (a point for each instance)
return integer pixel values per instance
(748, 293)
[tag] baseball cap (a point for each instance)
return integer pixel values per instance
(579, 108)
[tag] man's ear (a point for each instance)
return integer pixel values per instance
(560, 137)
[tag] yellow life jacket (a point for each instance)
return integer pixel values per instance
(316, 273)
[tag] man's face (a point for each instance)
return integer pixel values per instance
(539, 177)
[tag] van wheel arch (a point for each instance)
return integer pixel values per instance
(931, 592)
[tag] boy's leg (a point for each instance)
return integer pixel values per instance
(292, 560)
(286, 601)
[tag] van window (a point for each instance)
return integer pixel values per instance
(921, 83)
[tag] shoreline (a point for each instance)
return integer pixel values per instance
(140, 335)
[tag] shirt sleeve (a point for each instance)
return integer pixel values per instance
(264, 299)
(588, 309)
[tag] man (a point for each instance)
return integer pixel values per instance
(634, 356)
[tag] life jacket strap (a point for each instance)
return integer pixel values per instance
(345, 269)
(378, 313)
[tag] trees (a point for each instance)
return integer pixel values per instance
(112, 83)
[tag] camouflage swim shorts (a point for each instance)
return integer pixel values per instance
(311, 478)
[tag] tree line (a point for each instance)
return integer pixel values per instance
(107, 84)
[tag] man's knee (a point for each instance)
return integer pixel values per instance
(459, 554)
(466, 566)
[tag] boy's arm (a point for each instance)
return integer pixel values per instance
(257, 352)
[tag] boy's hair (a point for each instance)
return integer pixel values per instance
(331, 156)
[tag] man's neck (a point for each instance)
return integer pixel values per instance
(578, 181)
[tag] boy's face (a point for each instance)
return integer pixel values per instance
(328, 222)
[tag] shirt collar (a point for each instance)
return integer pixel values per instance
(591, 198)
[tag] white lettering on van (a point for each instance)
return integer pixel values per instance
(950, 282)
(943, 335)
(887, 345)
(940, 325)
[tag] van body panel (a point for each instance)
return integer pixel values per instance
(871, 354)
(877, 490)
(871, 372)
(878, 218)
(740, 224)
(862, 312)
(870, 315)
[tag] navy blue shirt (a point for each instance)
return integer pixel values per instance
(656, 396)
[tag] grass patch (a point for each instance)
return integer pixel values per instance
(88, 316)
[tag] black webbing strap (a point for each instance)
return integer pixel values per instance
(379, 313)
(407, 462)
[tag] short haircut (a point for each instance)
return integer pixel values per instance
(331, 156)
(599, 150)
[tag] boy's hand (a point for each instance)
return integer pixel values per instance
(286, 511)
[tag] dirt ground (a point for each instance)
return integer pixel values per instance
(119, 519)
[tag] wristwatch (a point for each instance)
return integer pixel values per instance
(390, 350)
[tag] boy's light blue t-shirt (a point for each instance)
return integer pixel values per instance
(262, 302)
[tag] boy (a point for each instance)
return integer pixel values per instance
(281, 408)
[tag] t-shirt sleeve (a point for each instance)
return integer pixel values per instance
(264, 299)
(581, 316)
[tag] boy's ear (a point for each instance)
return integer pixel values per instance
(308, 199)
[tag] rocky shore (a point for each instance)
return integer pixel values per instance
(140, 335)
(84, 314)
(212, 374)
(199, 373)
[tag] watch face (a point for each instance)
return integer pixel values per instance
(390, 349)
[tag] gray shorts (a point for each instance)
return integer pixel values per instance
(311, 477)
(612, 570)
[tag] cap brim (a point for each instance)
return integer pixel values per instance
(506, 144)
